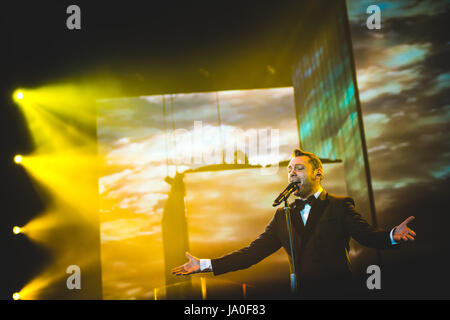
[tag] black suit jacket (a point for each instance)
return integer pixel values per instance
(320, 247)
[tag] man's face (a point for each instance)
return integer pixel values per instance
(301, 171)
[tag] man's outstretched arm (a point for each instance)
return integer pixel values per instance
(266, 244)
(369, 236)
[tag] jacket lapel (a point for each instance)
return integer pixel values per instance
(316, 212)
(296, 220)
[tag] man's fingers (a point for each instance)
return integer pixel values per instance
(182, 273)
(186, 273)
(178, 269)
(187, 268)
(408, 220)
(407, 237)
(412, 232)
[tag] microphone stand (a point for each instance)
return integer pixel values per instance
(291, 245)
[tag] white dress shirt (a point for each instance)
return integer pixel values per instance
(305, 212)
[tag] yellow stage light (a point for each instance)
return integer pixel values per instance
(16, 296)
(18, 159)
(18, 95)
(16, 230)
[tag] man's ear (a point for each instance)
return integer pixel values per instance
(319, 173)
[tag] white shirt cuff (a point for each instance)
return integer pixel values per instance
(205, 265)
(391, 236)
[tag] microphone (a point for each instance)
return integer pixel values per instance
(286, 193)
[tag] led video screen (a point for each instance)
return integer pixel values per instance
(224, 149)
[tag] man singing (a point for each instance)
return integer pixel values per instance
(322, 226)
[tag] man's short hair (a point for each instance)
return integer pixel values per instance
(313, 159)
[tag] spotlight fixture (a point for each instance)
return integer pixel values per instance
(16, 230)
(18, 95)
(16, 296)
(18, 158)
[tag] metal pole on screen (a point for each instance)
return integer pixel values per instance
(291, 246)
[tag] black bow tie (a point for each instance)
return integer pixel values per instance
(300, 203)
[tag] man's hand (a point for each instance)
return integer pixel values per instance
(190, 267)
(403, 233)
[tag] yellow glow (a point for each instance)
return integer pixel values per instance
(203, 285)
(16, 296)
(39, 229)
(18, 96)
(18, 159)
(61, 120)
(54, 273)
(16, 230)
(71, 178)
